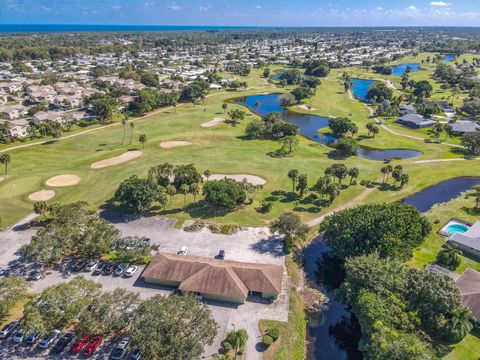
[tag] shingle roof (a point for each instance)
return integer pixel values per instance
(469, 285)
(471, 238)
(216, 277)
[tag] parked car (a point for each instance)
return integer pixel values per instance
(183, 251)
(45, 343)
(109, 269)
(132, 269)
(92, 345)
(221, 255)
(63, 343)
(32, 338)
(100, 267)
(35, 275)
(121, 349)
(120, 270)
(8, 329)
(135, 355)
(91, 265)
(80, 265)
(18, 337)
(145, 242)
(79, 345)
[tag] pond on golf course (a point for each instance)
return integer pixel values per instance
(401, 69)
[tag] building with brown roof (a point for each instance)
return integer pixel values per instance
(214, 279)
(469, 285)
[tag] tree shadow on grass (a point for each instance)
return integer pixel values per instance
(201, 210)
(49, 142)
(471, 210)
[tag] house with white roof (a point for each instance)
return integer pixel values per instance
(469, 241)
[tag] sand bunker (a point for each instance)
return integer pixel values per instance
(213, 122)
(2, 178)
(129, 155)
(42, 195)
(63, 180)
(305, 107)
(252, 179)
(175, 143)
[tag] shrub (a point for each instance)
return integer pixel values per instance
(225, 193)
(267, 340)
(227, 346)
(274, 333)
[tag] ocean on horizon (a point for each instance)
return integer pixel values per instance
(58, 28)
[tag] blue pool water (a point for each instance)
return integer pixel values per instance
(360, 88)
(449, 57)
(400, 70)
(456, 228)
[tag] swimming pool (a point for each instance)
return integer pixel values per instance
(456, 228)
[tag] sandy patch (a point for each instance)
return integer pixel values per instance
(42, 195)
(305, 107)
(63, 180)
(175, 143)
(252, 179)
(213, 122)
(2, 178)
(129, 155)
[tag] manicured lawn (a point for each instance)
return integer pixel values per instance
(468, 348)
(220, 149)
(291, 344)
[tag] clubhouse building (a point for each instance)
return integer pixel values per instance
(213, 279)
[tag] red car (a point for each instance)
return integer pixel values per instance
(93, 344)
(79, 345)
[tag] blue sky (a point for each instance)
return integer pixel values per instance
(243, 12)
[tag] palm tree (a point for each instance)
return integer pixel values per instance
(333, 190)
(207, 174)
(224, 107)
(124, 124)
(40, 207)
(195, 190)
(170, 189)
(476, 196)
(184, 189)
(5, 159)
(293, 175)
(448, 131)
(132, 126)
(143, 139)
(460, 323)
(386, 170)
(238, 339)
(353, 173)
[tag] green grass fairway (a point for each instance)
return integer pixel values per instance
(220, 149)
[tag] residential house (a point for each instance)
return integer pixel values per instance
(469, 286)
(13, 111)
(469, 241)
(464, 126)
(215, 279)
(45, 116)
(415, 121)
(11, 87)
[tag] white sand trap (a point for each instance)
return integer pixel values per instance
(252, 179)
(42, 195)
(63, 180)
(129, 155)
(2, 178)
(174, 143)
(305, 107)
(213, 122)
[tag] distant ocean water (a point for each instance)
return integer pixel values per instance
(49, 28)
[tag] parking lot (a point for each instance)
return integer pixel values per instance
(249, 245)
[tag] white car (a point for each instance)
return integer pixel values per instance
(120, 270)
(132, 269)
(91, 266)
(45, 343)
(183, 251)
